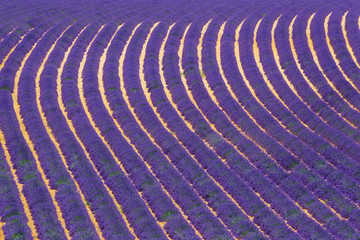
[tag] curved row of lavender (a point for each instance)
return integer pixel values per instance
(180, 120)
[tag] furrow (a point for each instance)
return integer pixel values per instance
(316, 60)
(111, 113)
(24, 202)
(131, 108)
(30, 143)
(55, 142)
(72, 128)
(89, 116)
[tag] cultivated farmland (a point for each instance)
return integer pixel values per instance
(180, 120)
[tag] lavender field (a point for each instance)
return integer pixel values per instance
(180, 119)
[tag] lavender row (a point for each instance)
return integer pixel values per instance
(329, 153)
(96, 194)
(338, 43)
(37, 195)
(178, 127)
(73, 211)
(296, 106)
(182, 193)
(314, 74)
(212, 74)
(208, 104)
(11, 209)
(188, 139)
(161, 204)
(10, 41)
(177, 160)
(133, 206)
(209, 165)
(265, 54)
(278, 153)
(327, 63)
(300, 132)
(316, 77)
(351, 27)
(291, 71)
(170, 141)
(316, 104)
(20, 17)
(145, 182)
